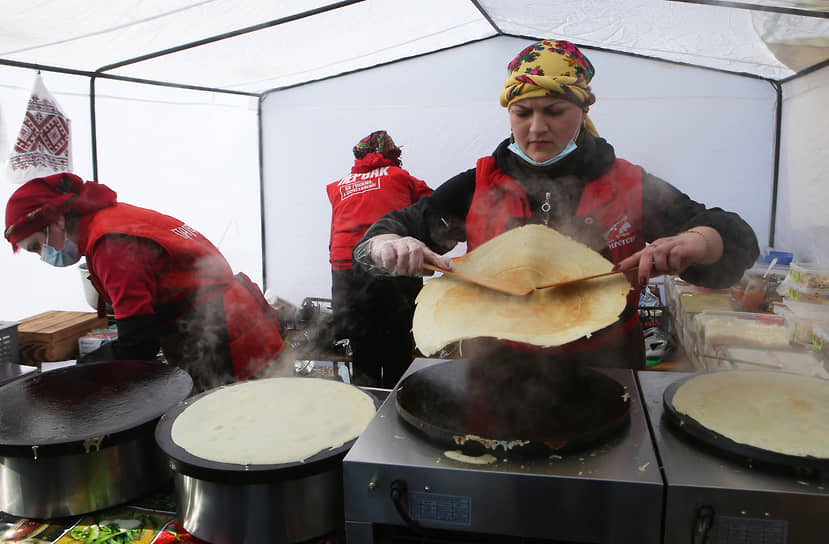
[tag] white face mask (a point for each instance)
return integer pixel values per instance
(569, 148)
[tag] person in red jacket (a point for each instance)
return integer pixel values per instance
(169, 287)
(555, 170)
(373, 312)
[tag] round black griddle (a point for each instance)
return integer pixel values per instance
(58, 411)
(183, 462)
(712, 440)
(512, 409)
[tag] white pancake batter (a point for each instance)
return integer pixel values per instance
(775, 411)
(272, 421)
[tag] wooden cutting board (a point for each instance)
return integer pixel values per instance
(53, 336)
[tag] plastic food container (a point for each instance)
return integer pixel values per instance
(820, 337)
(698, 302)
(759, 287)
(791, 289)
(754, 294)
(810, 275)
(95, 339)
(767, 254)
(798, 361)
(778, 271)
(801, 317)
(742, 329)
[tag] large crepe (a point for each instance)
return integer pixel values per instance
(774, 411)
(272, 421)
(449, 309)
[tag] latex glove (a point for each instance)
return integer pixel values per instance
(404, 255)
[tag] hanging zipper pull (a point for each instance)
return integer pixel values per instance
(545, 209)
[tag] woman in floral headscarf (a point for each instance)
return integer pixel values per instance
(554, 169)
(168, 286)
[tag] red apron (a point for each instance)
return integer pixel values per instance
(614, 200)
(197, 274)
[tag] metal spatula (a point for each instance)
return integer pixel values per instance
(491, 283)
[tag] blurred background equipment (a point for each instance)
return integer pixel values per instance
(660, 340)
(308, 330)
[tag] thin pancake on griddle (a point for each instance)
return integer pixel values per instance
(774, 411)
(449, 310)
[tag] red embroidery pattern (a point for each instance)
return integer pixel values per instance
(43, 141)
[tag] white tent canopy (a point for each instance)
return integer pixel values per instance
(234, 115)
(253, 46)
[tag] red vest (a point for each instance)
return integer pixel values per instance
(374, 188)
(614, 200)
(197, 273)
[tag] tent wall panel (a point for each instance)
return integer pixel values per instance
(802, 223)
(193, 155)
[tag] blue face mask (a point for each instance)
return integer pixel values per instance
(569, 148)
(68, 255)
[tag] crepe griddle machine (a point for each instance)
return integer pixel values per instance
(712, 440)
(80, 438)
(512, 409)
(229, 503)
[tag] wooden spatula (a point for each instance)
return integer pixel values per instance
(492, 283)
(576, 280)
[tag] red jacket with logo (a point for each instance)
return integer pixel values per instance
(374, 187)
(614, 200)
(195, 273)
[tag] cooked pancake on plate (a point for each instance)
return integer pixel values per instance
(774, 411)
(449, 309)
(272, 421)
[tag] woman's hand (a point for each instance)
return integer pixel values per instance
(673, 254)
(404, 256)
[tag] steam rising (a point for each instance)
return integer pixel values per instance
(200, 343)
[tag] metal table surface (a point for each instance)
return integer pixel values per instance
(748, 503)
(612, 492)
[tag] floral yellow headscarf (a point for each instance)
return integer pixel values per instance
(551, 67)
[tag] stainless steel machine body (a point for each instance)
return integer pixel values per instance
(608, 493)
(56, 486)
(80, 438)
(733, 500)
(231, 503)
(275, 512)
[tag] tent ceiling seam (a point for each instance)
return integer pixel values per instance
(809, 70)
(87, 73)
(232, 34)
(759, 7)
(486, 16)
(649, 57)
